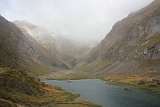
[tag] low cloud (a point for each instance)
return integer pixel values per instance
(83, 20)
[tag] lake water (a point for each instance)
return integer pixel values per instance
(109, 95)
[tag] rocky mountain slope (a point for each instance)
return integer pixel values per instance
(62, 48)
(24, 52)
(131, 48)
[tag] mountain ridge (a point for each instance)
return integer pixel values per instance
(130, 50)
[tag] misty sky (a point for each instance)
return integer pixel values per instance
(83, 20)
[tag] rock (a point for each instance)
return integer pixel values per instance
(127, 89)
(142, 82)
(157, 81)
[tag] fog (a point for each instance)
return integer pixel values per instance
(81, 20)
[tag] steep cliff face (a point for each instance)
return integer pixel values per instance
(133, 45)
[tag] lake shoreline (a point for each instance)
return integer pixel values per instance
(94, 84)
(155, 90)
(138, 81)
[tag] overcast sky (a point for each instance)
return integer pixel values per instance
(83, 20)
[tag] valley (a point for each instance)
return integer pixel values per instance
(129, 54)
(39, 68)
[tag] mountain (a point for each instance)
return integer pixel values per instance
(16, 86)
(131, 49)
(61, 48)
(21, 55)
(24, 51)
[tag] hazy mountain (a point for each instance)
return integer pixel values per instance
(131, 47)
(60, 47)
(23, 51)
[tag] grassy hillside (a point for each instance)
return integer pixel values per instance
(17, 88)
